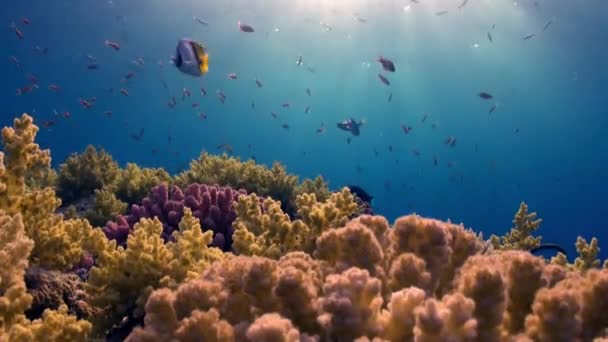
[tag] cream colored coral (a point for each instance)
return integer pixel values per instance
(350, 305)
(163, 323)
(353, 245)
(426, 238)
(272, 327)
(481, 280)
(450, 319)
(399, 319)
(554, 316)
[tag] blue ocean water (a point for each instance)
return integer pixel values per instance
(543, 144)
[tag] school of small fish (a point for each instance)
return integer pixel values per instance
(387, 65)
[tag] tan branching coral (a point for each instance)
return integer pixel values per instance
(23, 157)
(409, 270)
(82, 173)
(480, 280)
(587, 254)
(554, 316)
(15, 248)
(14, 300)
(399, 318)
(316, 186)
(354, 245)
(524, 274)
(272, 327)
(134, 183)
(58, 243)
(351, 305)
(426, 238)
(224, 170)
(450, 319)
(268, 231)
(122, 279)
(163, 323)
(105, 207)
(520, 236)
(299, 281)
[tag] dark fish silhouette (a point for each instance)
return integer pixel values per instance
(139, 136)
(359, 192)
(384, 79)
(350, 125)
(387, 64)
(485, 96)
(245, 28)
(493, 108)
(529, 36)
(548, 246)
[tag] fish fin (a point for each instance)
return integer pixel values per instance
(202, 57)
(204, 64)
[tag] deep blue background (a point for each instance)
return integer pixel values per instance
(552, 87)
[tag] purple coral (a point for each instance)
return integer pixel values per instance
(212, 205)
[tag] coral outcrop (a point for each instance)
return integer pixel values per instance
(212, 205)
(209, 263)
(272, 182)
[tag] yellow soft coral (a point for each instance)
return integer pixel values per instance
(57, 242)
(134, 183)
(105, 207)
(587, 254)
(54, 326)
(274, 182)
(82, 173)
(122, 279)
(15, 248)
(319, 216)
(520, 236)
(191, 254)
(14, 300)
(23, 156)
(268, 231)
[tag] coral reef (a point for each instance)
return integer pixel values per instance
(212, 205)
(338, 293)
(315, 274)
